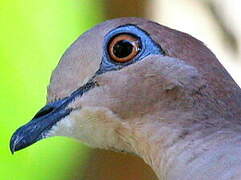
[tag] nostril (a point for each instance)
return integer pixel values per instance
(44, 111)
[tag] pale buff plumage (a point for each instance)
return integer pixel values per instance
(179, 112)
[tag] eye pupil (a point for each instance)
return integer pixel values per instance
(122, 48)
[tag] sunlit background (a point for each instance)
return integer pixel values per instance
(34, 35)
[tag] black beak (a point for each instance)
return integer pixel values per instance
(44, 120)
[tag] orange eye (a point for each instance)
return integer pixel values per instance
(123, 48)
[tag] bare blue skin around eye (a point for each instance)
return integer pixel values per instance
(147, 47)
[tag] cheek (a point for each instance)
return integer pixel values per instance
(130, 97)
(128, 93)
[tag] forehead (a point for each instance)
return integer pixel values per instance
(82, 59)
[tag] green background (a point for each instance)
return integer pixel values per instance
(33, 36)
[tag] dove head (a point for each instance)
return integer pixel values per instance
(123, 79)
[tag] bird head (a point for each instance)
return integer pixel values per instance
(121, 79)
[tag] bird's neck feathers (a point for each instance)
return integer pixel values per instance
(183, 151)
(183, 46)
(187, 135)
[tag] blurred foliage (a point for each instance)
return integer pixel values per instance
(33, 36)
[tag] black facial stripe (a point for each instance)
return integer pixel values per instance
(51, 107)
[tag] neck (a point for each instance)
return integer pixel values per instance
(178, 151)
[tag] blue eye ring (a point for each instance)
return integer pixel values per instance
(147, 46)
